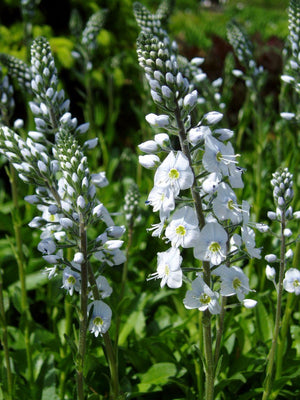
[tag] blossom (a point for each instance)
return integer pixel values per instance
(103, 286)
(183, 229)
(225, 206)
(202, 297)
(233, 281)
(174, 172)
(71, 280)
(219, 157)
(212, 244)
(168, 268)
(291, 281)
(100, 317)
(162, 200)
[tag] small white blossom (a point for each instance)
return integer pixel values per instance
(249, 303)
(233, 281)
(202, 297)
(100, 317)
(174, 172)
(71, 280)
(183, 229)
(291, 282)
(149, 161)
(211, 245)
(168, 268)
(270, 273)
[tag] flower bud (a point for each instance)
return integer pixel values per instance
(270, 273)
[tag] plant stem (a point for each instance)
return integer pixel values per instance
(206, 320)
(4, 342)
(111, 356)
(271, 357)
(83, 310)
(220, 330)
(21, 271)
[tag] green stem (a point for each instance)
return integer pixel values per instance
(206, 320)
(64, 348)
(4, 342)
(83, 310)
(271, 358)
(110, 353)
(22, 275)
(220, 330)
(290, 304)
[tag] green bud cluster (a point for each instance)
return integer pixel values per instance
(131, 206)
(150, 23)
(282, 183)
(168, 86)
(7, 102)
(92, 29)
(28, 9)
(241, 44)
(19, 70)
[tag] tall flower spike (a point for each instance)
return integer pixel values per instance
(93, 27)
(19, 70)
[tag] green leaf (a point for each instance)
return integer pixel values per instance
(157, 375)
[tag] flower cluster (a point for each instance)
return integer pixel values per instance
(201, 162)
(254, 75)
(291, 74)
(65, 190)
(283, 193)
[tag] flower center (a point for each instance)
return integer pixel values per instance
(167, 270)
(230, 204)
(98, 321)
(296, 283)
(52, 218)
(236, 283)
(71, 280)
(214, 247)
(180, 230)
(204, 298)
(174, 174)
(219, 156)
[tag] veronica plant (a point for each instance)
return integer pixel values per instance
(288, 276)
(53, 161)
(196, 174)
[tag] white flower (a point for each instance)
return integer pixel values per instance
(270, 273)
(162, 200)
(270, 258)
(287, 115)
(71, 280)
(202, 297)
(174, 172)
(248, 237)
(183, 229)
(291, 281)
(198, 134)
(249, 303)
(149, 161)
(99, 179)
(219, 157)
(213, 117)
(212, 244)
(150, 146)
(47, 246)
(225, 206)
(158, 120)
(78, 258)
(103, 286)
(157, 228)
(233, 281)
(100, 317)
(163, 140)
(168, 268)
(211, 183)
